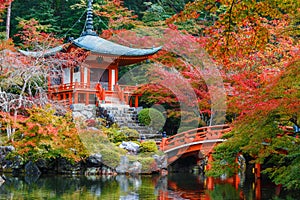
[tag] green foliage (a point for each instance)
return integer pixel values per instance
(152, 117)
(226, 191)
(148, 146)
(131, 134)
(117, 135)
(110, 157)
(98, 142)
(57, 16)
(286, 168)
(148, 164)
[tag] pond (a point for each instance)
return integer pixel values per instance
(177, 186)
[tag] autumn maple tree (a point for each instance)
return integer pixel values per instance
(255, 48)
(257, 45)
(40, 134)
(238, 59)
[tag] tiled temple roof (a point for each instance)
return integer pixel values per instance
(90, 41)
(99, 45)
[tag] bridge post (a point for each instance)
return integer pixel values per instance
(258, 189)
(257, 171)
(210, 183)
(210, 159)
(162, 144)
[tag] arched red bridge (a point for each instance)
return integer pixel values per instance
(200, 140)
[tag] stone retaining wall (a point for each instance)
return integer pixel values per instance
(84, 111)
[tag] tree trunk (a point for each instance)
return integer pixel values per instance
(8, 21)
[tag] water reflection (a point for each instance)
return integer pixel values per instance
(122, 187)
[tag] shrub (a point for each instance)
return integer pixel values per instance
(152, 117)
(110, 157)
(148, 146)
(44, 135)
(148, 164)
(131, 134)
(117, 135)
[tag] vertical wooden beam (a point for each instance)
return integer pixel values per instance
(162, 144)
(116, 75)
(87, 100)
(75, 97)
(136, 102)
(70, 98)
(210, 183)
(258, 189)
(109, 79)
(88, 77)
(62, 77)
(71, 75)
(236, 181)
(82, 75)
(257, 170)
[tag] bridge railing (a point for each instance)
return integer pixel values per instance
(194, 135)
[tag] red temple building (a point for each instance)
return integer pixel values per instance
(96, 79)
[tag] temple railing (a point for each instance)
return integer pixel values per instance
(124, 92)
(120, 93)
(69, 86)
(78, 92)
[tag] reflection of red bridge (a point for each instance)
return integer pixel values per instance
(199, 140)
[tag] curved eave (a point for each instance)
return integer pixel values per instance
(99, 45)
(46, 53)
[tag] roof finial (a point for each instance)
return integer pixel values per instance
(89, 30)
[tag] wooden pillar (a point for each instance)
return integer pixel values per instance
(257, 170)
(258, 189)
(162, 144)
(109, 79)
(236, 181)
(82, 75)
(116, 75)
(87, 99)
(70, 98)
(130, 102)
(103, 95)
(71, 75)
(278, 189)
(136, 101)
(76, 97)
(126, 98)
(210, 183)
(88, 77)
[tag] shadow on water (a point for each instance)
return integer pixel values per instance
(175, 186)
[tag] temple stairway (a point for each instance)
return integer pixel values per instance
(126, 116)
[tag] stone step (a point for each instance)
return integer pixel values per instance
(125, 115)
